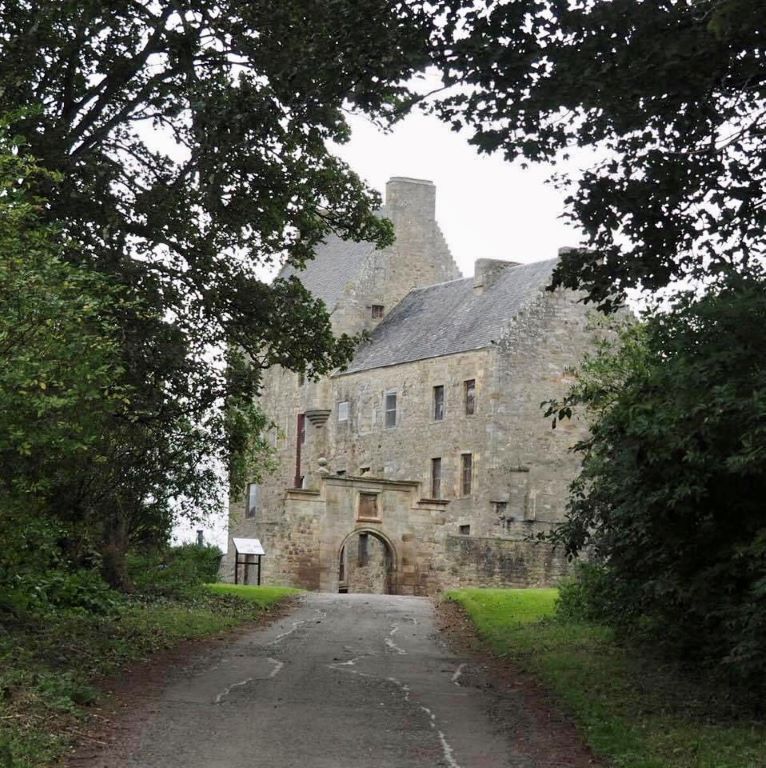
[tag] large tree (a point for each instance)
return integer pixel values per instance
(189, 140)
(671, 93)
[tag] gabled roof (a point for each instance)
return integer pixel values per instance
(450, 317)
(336, 263)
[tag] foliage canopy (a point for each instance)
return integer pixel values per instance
(670, 499)
(185, 146)
(672, 93)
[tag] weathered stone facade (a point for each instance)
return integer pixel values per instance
(433, 441)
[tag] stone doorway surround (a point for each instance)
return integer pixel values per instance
(391, 558)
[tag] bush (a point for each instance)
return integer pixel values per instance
(174, 571)
(588, 595)
(36, 575)
(670, 499)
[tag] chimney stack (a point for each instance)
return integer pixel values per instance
(410, 199)
(487, 271)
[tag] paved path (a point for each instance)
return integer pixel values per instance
(344, 681)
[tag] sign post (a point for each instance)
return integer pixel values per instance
(247, 548)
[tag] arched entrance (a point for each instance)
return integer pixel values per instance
(367, 563)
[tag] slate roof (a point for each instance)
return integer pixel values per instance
(447, 318)
(336, 262)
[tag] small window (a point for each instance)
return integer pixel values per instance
(390, 409)
(341, 473)
(438, 403)
(377, 311)
(469, 390)
(344, 409)
(364, 471)
(436, 478)
(253, 499)
(368, 506)
(466, 461)
(501, 508)
(465, 530)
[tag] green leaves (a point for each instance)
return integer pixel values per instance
(184, 148)
(670, 498)
(671, 94)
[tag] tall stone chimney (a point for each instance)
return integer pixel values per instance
(410, 199)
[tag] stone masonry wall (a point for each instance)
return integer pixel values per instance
(492, 562)
(521, 467)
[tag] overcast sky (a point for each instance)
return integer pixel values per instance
(487, 207)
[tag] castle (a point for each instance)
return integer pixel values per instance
(427, 463)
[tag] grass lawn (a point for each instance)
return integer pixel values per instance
(634, 710)
(48, 664)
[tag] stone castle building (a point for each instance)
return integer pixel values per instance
(427, 463)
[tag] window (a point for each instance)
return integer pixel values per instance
(344, 409)
(465, 530)
(438, 403)
(436, 478)
(469, 391)
(253, 499)
(390, 409)
(364, 470)
(300, 439)
(466, 461)
(368, 506)
(501, 508)
(377, 311)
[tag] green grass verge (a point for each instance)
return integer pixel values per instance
(633, 709)
(262, 596)
(48, 664)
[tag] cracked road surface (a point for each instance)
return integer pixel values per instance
(344, 681)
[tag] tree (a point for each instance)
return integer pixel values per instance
(670, 498)
(60, 375)
(673, 95)
(190, 146)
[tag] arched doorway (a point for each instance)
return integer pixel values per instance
(367, 563)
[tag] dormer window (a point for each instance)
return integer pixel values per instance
(377, 311)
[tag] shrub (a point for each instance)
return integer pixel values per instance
(174, 571)
(670, 499)
(588, 595)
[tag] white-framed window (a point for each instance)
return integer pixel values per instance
(390, 409)
(439, 402)
(344, 410)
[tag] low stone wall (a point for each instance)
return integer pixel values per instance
(491, 562)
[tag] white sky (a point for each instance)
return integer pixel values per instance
(486, 207)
